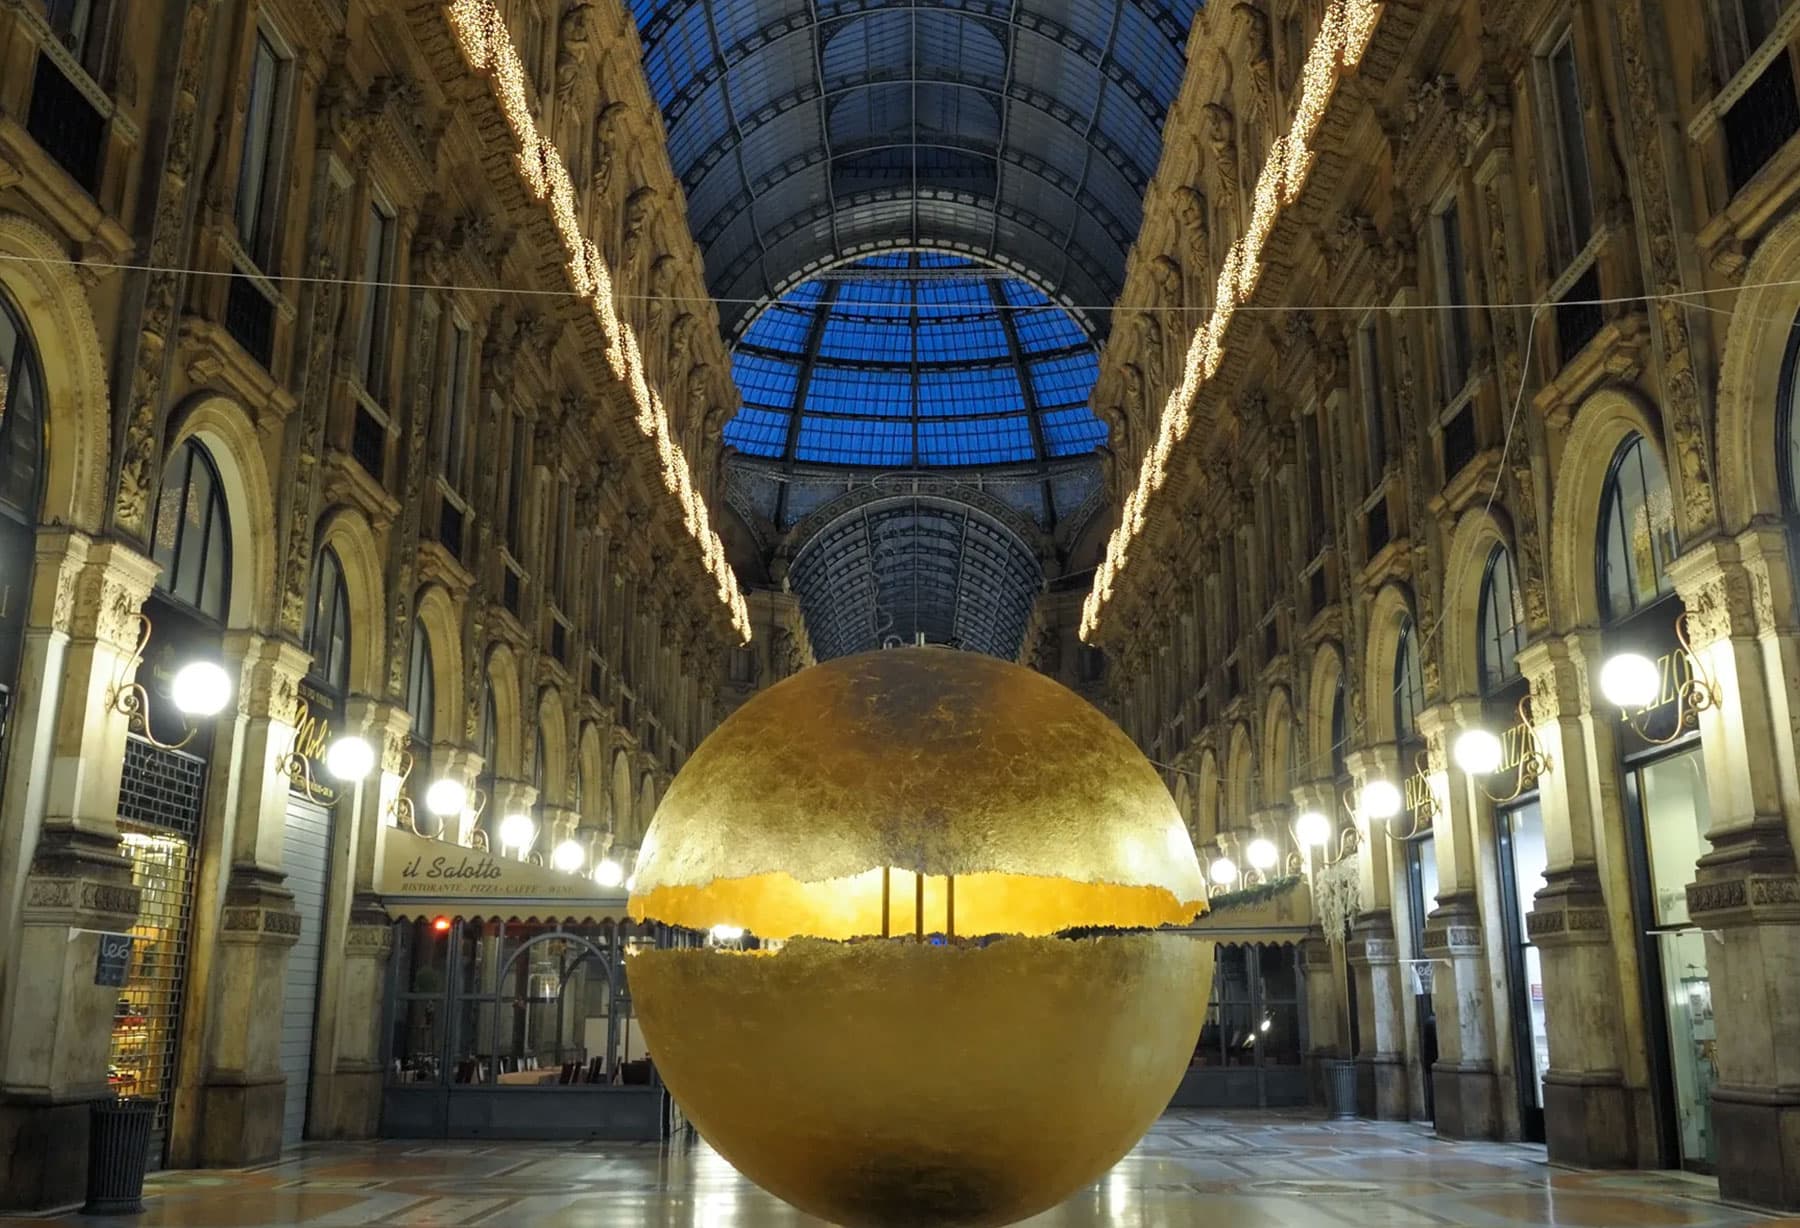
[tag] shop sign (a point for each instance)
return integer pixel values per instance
(1419, 795)
(418, 866)
(114, 960)
(314, 711)
(1674, 670)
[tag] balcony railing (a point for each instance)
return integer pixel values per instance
(66, 123)
(1578, 315)
(1377, 532)
(250, 319)
(450, 529)
(1760, 123)
(368, 444)
(1460, 444)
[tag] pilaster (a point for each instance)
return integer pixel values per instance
(65, 882)
(1581, 922)
(1374, 960)
(1747, 891)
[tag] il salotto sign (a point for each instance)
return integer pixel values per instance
(413, 866)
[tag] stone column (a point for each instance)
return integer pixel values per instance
(1324, 1012)
(228, 1104)
(1374, 957)
(346, 1089)
(1742, 626)
(64, 880)
(1465, 1092)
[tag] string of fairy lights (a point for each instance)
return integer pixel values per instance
(487, 46)
(1336, 52)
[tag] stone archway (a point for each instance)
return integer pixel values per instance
(1465, 563)
(78, 413)
(231, 440)
(346, 531)
(1602, 423)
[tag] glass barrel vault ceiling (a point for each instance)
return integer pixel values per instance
(806, 132)
(914, 359)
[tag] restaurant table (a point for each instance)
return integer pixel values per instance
(529, 1078)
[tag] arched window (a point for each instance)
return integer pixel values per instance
(421, 687)
(1637, 531)
(1787, 426)
(1340, 733)
(328, 628)
(1409, 683)
(21, 414)
(1501, 625)
(490, 731)
(191, 535)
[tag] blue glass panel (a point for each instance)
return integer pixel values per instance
(763, 380)
(982, 441)
(975, 391)
(1064, 381)
(1043, 329)
(1072, 432)
(760, 432)
(852, 442)
(838, 390)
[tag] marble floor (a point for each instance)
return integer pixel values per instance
(1218, 1170)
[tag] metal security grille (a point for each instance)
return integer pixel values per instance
(159, 818)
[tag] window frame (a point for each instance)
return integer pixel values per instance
(1409, 683)
(1496, 674)
(457, 379)
(1569, 235)
(1729, 61)
(1663, 543)
(215, 522)
(1371, 372)
(21, 387)
(258, 244)
(375, 316)
(1456, 348)
(421, 686)
(330, 667)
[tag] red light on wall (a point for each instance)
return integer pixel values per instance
(441, 925)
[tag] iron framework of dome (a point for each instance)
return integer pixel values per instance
(914, 359)
(807, 132)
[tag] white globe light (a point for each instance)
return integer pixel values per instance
(609, 873)
(1224, 872)
(568, 856)
(1630, 680)
(446, 798)
(1313, 829)
(1477, 752)
(350, 758)
(727, 933)
(200, 688)
(630, 883)
(1262, 854)
(517, 830)
(1380, 799)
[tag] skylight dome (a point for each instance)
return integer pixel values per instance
(912, 359)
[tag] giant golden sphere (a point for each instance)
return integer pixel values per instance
(974, 1079)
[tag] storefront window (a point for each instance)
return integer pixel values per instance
(1637, 531)
(486, 1003)
(1253, 1018)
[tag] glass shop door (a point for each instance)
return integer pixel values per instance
(1523, 860)
(1670, 816)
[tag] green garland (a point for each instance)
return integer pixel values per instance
(1253, 895)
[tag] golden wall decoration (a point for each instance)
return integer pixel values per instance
(927, 1045)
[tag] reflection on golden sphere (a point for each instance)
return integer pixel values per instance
(903, 1085)
(876, 1080)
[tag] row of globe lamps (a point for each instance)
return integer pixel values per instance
(1628, 680)
(199, 690)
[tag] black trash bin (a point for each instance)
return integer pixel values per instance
(1340, 1088)
(118, 1154)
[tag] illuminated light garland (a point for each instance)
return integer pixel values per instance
(487, 46)
(1344, 37)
